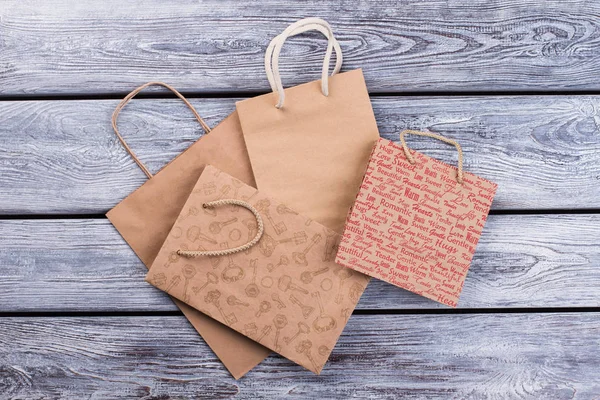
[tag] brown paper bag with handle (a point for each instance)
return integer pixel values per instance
(309, 145)
(146, 216)
(255, 264)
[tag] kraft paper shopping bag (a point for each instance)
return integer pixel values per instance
(260, 267)
(309, 144)
(146, 216)
(416, 221)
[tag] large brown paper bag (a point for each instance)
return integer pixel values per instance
(309, 145)
(146, 216)
(255, 264)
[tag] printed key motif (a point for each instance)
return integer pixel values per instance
(250, 329)
(210, 278)
(283, 209)
(234, 301)
(302, 329)
(305, 348)
(189, 271)
(306, 309)
(263, 207)
(233, 272)
(174, 282)
(268, 245)
(300, 257)
(266, 331)
(252, 227)
(275, 297)
(159, 279)
(213, 298)
(324, 321)
(331, 246)
(307, 276)
(172, 259)
(285, 284)
(283, 261)
(283, 292)
(264, 307)
(323, 350)
(191, 212)
(342, 274)
(280, 321)
(216, 227)
(194, 234)
(252, 290)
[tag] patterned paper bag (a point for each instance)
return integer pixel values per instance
(281, 288)
(416, 221)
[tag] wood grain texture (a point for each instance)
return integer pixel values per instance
(84, 265)
(537, 356)
(62, 157)
(86, 46)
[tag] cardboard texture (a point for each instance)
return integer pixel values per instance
(286, 292)
(311, 154)
(145, 218)
(414, 225)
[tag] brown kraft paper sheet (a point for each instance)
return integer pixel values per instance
(146, 216)
(286, 292)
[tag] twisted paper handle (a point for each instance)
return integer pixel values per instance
(130, 96)
(216, 253)
(411, 159)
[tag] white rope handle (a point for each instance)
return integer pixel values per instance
(310, 27)
(301, 29)
(274, 50)
(319, 24)
(225, 252)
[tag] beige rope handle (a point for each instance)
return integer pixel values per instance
(304, 25)
(277, 44)
(215, 253)
(130, 96)
(411, 159)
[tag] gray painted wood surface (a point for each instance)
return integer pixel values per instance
(63, 157)
(489, 356)
(89, 46)
(84, 265)
(59, 156)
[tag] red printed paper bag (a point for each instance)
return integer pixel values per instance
(416, 221)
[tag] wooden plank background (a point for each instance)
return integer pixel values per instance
(63, 156)
(214, 46)
(391, 357)
(78, 265)
(515, 82)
